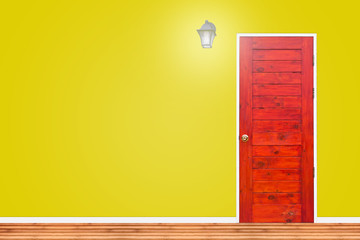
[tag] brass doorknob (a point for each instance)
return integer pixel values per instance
(244, 138)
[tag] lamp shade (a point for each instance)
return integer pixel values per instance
(207, 34)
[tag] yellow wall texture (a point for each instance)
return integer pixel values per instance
(112, 108)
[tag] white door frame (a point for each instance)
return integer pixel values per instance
(238, 102)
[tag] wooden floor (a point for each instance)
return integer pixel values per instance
(179, 231)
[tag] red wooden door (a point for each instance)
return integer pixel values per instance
(276, 112)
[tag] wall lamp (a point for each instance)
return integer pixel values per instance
(207, 34)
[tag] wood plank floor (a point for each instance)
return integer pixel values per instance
(40, 231)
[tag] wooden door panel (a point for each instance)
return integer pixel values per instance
(307, 163)
(277, 101)
(277, 151)
(277, 78)
(277, 213)
(276, 162)
(276, 174)
(276, 90)
(277, 198)
(277, 186)
(277, 43)
(276, 54)
(276, 112)
(246, 126)
(276, 125)
(276, 138)
(276, 66)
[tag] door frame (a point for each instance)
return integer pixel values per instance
(238, 35)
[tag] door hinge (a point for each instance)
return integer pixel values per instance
(313, 172)
(313, 93)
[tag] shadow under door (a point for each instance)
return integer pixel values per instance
(276, 129)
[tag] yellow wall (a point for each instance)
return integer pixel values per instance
(112, 108)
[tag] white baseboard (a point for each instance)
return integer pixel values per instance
(337, 220)
(153, 220)
(119, 220)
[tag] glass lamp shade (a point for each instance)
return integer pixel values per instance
(207, 34)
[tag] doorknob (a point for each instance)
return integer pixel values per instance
(244, 138)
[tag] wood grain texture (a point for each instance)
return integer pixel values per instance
(308, 132)
(276, 162)
(276, 54)
(277, 186)
(276, 90)
(277, 43)
(245, 128)
(277, 113)
(180, 231)
(276, 125)
(276, 66)
(276, 213)
(276, 138)
(276, 101)
(277, 78)
(277, 151)
(276, 174)
(281, 135)
(277, 198)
